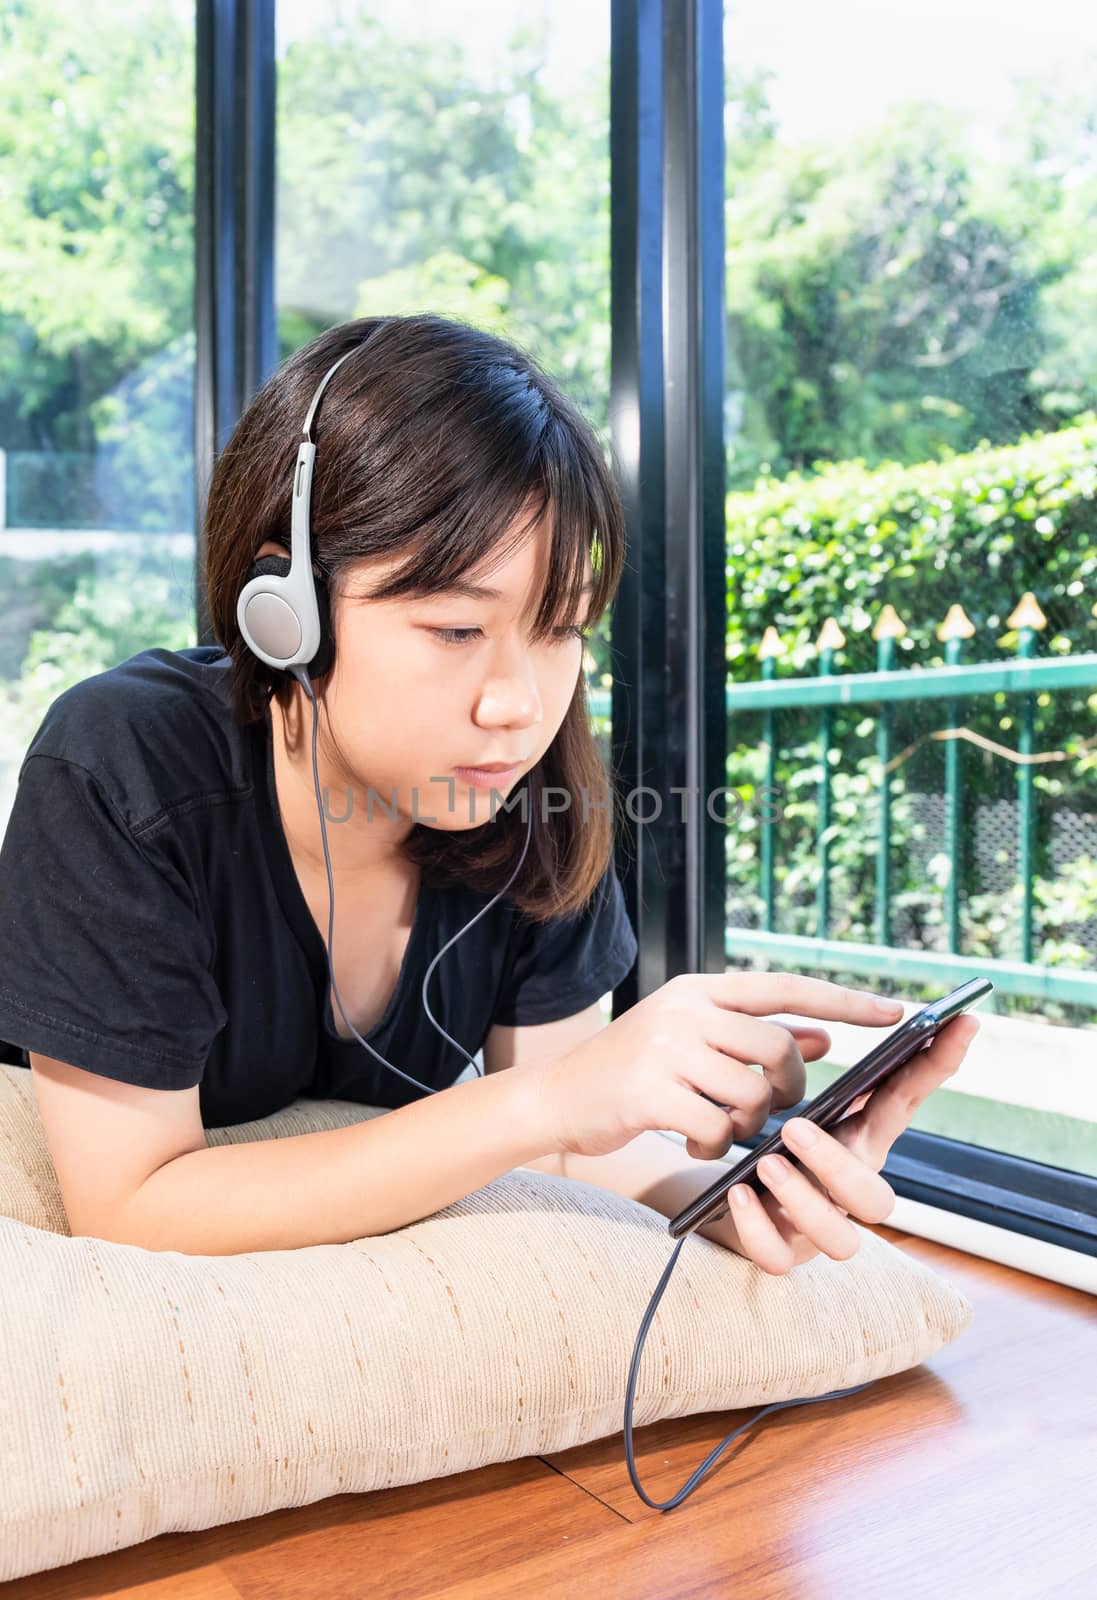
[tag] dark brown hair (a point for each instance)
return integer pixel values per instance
(432, 442)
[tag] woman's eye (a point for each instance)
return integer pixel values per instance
(462, 635)
(454, 635)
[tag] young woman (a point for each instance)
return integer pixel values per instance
(164, 889)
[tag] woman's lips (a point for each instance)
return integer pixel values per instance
(482, 778)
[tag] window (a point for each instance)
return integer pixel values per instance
(96, 347)
(453, 160)
(910, 414)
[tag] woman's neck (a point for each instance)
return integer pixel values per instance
(362, 848)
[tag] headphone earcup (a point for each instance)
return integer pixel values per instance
(324, 658)
(278, 565)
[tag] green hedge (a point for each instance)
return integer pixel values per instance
(979, 529)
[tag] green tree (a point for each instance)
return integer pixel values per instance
(407, 185)
(96, 242)
(901, 296)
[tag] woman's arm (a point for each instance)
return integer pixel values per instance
(337, 1184)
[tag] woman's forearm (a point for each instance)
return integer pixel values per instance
(338, 1184)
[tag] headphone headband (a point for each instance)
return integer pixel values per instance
(282, 612)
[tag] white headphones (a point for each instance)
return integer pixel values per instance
(282, 611)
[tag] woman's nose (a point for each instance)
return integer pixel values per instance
(513, 701)
(511, 697)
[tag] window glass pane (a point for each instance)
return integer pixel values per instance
(911, 415)
(96, 347)
(452, 159)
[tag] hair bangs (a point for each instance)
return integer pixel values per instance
(447, 549)
(579, 519)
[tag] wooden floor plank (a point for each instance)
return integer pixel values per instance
(134, 1573)
(982, 1533)
(411, 1543)
(400, 1544)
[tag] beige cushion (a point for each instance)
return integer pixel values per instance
(146, 1391)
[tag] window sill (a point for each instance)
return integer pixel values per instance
(1052, 1261)
(1049, 1209)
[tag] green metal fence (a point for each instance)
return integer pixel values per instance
(949, 696)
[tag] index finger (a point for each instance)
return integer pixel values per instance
(759, 993)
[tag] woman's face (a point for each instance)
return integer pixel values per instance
(422, 687)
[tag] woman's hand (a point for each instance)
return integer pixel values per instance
(685, 1058)
(803, 1213)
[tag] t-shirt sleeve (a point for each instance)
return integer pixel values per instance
(104, 961)
(560, 967)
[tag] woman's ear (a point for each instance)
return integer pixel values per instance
(271, 547)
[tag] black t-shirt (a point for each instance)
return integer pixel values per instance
(153, 929)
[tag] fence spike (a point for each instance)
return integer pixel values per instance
(771, 644)
(957, 624)
(889, 624)
(1027, 613)
(831, 637)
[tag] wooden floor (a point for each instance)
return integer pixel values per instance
(972, 1475)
